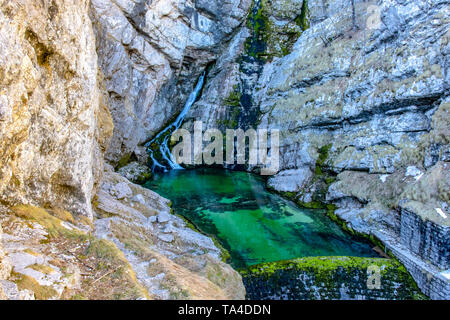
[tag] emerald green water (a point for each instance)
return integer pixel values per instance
(253, 224)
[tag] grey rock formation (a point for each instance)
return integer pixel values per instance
(135, 172)
(370, 93)
(361, 102)
(357, 101)
(151, 53)
(5, 265)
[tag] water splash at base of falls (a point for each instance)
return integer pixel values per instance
(165, 134)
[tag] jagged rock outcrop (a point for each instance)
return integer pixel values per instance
(151, 53)
(361, 103)
(270, 31)
(54, 126)
(55, 256)
(370, 93)
(341, 278)
(135, 249)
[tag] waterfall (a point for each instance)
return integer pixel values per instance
(165, 134)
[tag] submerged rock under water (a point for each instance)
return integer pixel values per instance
(254, 225)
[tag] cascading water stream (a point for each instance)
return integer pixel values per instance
(167, 132)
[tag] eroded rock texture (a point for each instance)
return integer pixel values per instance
(151, 53)
(64, 65)
(5, 267)
(54, 127)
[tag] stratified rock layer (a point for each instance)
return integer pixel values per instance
(330, 278)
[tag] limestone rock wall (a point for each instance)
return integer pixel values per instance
(371, 93)
(427, 239)
(330, 278)
(5, 266)
(362, 107)
(54, 127)
(366, 104)
(70, 72)
(171, 260)
(151, 53)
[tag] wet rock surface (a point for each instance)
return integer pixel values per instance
(151, 54)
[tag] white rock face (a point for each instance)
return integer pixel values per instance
(135, 172)
(356, 104)
(54, 127)
(151, 53)
(13, 293)
(370, 93)
(121, 191)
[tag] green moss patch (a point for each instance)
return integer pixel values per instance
(330, 278)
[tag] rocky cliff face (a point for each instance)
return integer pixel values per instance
(361, 103)
(340, 278)
(54, 125)
(365, 104)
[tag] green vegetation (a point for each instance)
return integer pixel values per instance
(268, 39)
(228, 201)
(42, 268)
(330, 273)
(224, 253)
(109, 274)
(123, 161)
(322, 179)
(320, 266)
(233, 102)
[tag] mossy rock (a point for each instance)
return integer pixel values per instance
(330, 278)
(270, 39)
